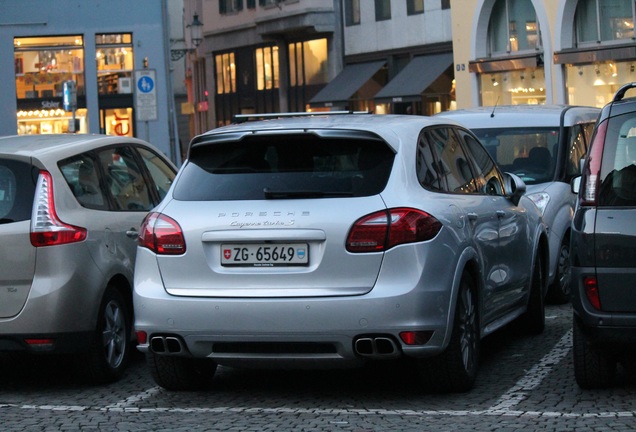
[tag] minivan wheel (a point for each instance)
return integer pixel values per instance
(455, 369)
(110, 348)
(593, 368)
(559, 292)
(181, 373)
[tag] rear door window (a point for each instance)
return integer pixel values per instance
(618, 168)
(285, 166)
(17, 188)
(82, 175)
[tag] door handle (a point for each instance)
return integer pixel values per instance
(473, 216)
(500, 214)
(132, 233)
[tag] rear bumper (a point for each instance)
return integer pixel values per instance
(298, 331)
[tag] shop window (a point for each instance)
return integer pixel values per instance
(118, 121)
(225, 73)
(513, 27)
(114, 58)
(595, 84)
(382, 10)
(50, 121)
(519, 87)
(267, 68)
(308, 62)
(604, 21)
(414, 7)
(352, 12)
(43, 64)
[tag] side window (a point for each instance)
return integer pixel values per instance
(124, 179)
(162, 174)
(16, 191)
(488, 178)
(426, 166)
(577, 150)
(82, 175)
(453, 164)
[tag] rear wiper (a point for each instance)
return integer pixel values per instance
(283, 194)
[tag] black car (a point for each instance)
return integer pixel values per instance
(603, 247)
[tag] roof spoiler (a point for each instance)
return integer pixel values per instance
(242, 118)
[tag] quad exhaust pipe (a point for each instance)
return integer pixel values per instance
(376, 346)
(167, 345)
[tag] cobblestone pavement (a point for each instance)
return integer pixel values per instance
(525, 382)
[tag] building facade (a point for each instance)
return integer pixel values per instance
(575, 52)
(102, 54)
(262, 56)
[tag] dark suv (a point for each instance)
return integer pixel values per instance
(603, 247)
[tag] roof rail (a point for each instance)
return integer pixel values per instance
(242, 118)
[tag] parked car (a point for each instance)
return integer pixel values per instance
(604, 247)
(331, 240)
(543, 145)
(70, 210)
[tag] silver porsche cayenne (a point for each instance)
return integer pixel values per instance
(333, 240)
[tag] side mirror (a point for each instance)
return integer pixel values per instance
(575, 184)
(515, 187)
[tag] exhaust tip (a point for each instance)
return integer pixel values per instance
(376, 346)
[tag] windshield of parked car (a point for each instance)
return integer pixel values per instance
(283, 167)
(529, 152)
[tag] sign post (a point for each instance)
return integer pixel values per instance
(70, 102)
(145, 96)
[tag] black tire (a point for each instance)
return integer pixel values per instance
(109, 353)
(181, 373)
(455, 369)
(559, 291)
(533, 320)
(593, 369)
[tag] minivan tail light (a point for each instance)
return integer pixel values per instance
(162, 235)
(382, 230)
(46, 227)
(590, 285)
(588, 195)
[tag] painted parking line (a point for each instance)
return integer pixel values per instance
(503, 407)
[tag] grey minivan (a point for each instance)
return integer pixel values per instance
(604, 248)
(70, 211)
(543, 145)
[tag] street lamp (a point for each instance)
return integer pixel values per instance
(196, 37)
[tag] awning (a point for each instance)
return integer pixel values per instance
(349, 81)
(409, 84)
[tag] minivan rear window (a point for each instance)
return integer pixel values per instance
(17, 188)
(285, 166)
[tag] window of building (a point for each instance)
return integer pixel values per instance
(513, 27)
(114, 58)
(267, 68)
(225, 73)
(414, 7)
(231, 6)
(42, 64)
(352, 12)
(607, 20)
(382, 10)
(308, 62)
(445, 4)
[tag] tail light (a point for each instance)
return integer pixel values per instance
(162, 235)
(46, 228)
(384, 229)
(590, 285)
(588, 194)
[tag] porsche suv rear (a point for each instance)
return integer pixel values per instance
(328, 241)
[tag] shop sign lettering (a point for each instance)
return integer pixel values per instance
(50, 105)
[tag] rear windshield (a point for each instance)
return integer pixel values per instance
(285, 166)
(529, 153)
(17, 187)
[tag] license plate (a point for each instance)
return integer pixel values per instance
(265, 255)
